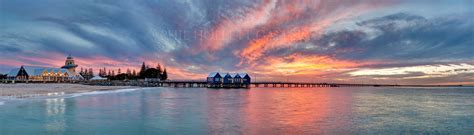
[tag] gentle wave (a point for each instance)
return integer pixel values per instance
(71, 95)
(2, 103)
(103, 92)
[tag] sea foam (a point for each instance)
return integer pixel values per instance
(64, 95)
(103, 92)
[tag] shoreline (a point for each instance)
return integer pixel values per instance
(44, 90)
(28, 90)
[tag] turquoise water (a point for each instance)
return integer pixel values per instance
(245, 111)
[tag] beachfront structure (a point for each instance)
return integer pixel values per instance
(45, 74)
(227, 78)
(70, 65)
(245, 78)
(216, 79)
(41, 74)
(236, 79)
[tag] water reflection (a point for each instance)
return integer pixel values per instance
(172, 110)
(264, 111)
(412, 111)
(55, 119)
(224, 110)
(295, 111)
(254, 111)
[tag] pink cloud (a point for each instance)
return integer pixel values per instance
(227, 29)
(287, 37)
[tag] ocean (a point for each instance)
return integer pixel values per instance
(341, 110)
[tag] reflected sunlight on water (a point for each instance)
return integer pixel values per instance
(55, 109)
(247, 111)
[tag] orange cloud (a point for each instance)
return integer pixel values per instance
(179, 73)
(258, 47)
(297, 64)
(286, 38)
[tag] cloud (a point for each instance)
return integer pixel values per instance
(402, 38)
(428, 71)
(228, 28)
(269, 38)
(297, 64)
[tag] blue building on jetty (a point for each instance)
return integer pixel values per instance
(228, 80)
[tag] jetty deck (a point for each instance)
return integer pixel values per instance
(204, 84)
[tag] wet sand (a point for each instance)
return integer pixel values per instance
(41, 89)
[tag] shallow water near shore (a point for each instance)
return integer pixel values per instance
(355, 110)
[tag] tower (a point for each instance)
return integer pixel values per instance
(70, 65)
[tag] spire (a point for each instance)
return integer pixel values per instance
(69, 64)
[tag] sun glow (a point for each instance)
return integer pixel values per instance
(299, 64)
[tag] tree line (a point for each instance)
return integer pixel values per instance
(146, 71)
(87, 74)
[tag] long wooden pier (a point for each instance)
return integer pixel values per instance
(204, 84)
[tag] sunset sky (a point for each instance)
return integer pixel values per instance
(354, 41)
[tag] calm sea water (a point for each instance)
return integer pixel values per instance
(246, 111)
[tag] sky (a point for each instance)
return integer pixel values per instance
(349, 41)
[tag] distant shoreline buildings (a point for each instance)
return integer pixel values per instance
(66, 73)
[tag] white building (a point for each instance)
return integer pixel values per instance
(46, 74)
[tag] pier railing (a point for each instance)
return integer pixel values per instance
(203, 83)
(276, 84)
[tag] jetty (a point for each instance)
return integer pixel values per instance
(256, 84)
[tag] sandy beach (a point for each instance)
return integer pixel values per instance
(29, 90)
